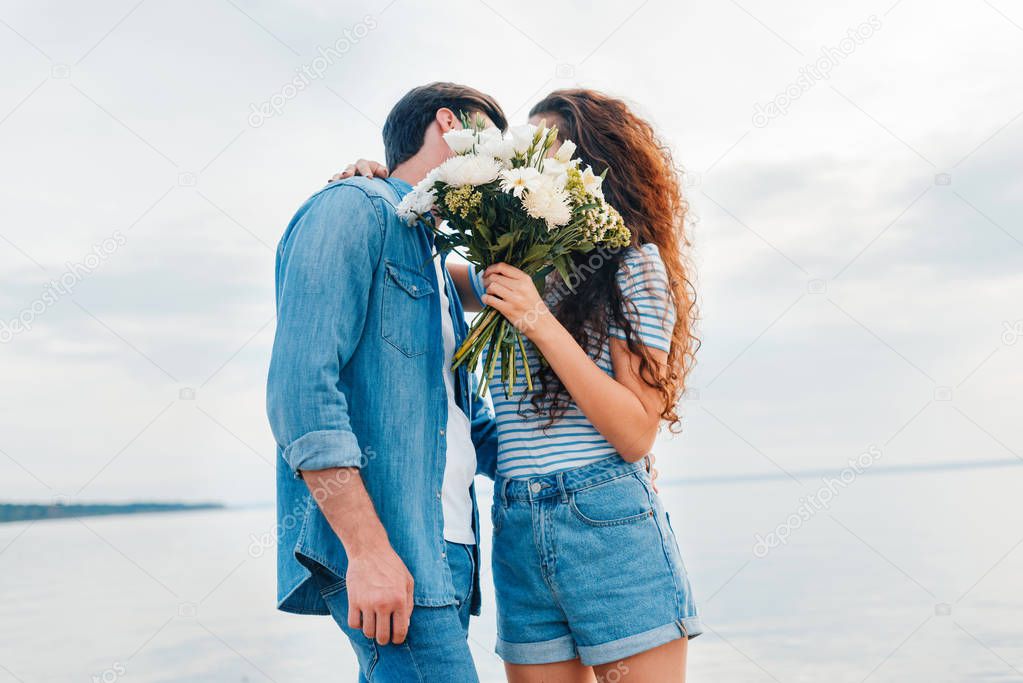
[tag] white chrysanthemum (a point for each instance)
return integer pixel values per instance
(461, 140)
(517, 180)
(548, 203)
(522, 137)
(591, 182)
(416, 203)
(470, 169)
(427, 182)
(565, 152)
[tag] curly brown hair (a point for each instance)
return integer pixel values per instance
(643, 184)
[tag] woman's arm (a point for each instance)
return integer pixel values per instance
(624, 409)
(466, 292)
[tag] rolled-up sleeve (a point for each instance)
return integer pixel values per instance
(324, 276)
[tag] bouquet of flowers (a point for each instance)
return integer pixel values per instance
(503, 199)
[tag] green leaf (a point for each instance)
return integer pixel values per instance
(562, 264)
(537, 252)
(505, 240)
(484, 230)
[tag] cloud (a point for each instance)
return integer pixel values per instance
(830, 263)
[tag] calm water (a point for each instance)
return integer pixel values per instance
(908, 576)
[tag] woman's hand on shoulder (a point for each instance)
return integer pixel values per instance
(363, 167)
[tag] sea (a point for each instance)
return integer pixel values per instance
(911, 574)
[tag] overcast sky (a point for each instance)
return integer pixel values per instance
(859, 248)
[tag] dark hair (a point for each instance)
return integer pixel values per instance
(406, 125)
(643, 184)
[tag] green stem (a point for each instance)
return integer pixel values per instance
(480, 328)
(509, 387)
(525, 363)
(488, 370)
(492, 356)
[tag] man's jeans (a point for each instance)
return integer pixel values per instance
(436, 648)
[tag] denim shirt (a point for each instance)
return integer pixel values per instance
(356, 380)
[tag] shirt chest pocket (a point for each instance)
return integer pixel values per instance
(406, 308)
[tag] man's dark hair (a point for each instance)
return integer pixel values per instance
(405, 128)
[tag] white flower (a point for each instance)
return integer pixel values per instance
(548, 203)
(522, 137)
(556, 171)
(427, 182)
(565, 152)
(559, 180)
(404, 212)
(591, 182)
(515, 180)
(469, 169)
(551, 166)
(416, 203)
(499, 147)
(460, 140)
(491, 133)
(544, 182)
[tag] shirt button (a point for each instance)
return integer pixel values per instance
(442, 432)
(535, 487)
(415, 288)
(444, 555)
(438, 494)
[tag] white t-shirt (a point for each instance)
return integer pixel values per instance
(461, 454)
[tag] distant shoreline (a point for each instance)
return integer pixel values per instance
(24, 512)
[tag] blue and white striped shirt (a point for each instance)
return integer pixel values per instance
(524, 449)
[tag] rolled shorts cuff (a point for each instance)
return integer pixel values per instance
(594, 655)
(559, 649)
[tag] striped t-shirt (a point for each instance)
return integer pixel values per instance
(524, 448)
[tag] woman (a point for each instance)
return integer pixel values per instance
(587, 571)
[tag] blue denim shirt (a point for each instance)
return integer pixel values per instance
(356, 381)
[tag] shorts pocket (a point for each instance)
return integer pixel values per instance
(620, 501)
(406, 307)
(497, 516)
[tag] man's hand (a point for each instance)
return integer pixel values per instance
(379, 595)
(378, 583)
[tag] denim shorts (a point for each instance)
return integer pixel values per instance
(586, 565)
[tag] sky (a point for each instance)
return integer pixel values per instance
(852, 169)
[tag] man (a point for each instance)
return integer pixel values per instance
(378, 440)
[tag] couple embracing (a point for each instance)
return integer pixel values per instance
(379, 440)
